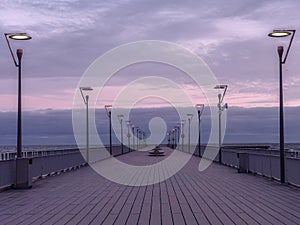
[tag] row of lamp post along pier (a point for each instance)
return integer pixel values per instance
(282, 60)
(221, 107)
(138, 135)
(140, 138)
(200, 108)
(173, 135)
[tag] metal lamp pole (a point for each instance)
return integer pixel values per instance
(120, 117)
(178, 133)
(137, 137)
(133, 136)
(168, 134)
(172, 140)
(221, 108)
(190, 117)
(18, 36)
(108, 109)
(128, 133)
(280, 49)
(200, 108)
(175, 137)
(182, 134)
(86, 102)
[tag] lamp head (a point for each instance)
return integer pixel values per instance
(219, 96)
(190, 116)
(279, 33)
(19, 36)
(108, 109)
(220, 86)
(86, 88)
(19, 54)
(280, 51)
(199, 107)
(120, 118)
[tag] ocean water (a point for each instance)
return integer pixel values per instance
(10, 148)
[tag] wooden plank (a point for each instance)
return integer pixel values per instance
(219, 195)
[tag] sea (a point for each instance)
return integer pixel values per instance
(10, 148)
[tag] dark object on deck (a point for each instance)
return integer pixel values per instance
(243, 162)
(156, 152)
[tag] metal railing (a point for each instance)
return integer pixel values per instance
(47, 162)
(262, 160)
(265, 162)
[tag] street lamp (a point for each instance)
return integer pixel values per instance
(168, 134)
(18, 36)
(179, 131)
(221, 109)
(282, 33)
(86, 102)
(173, 138)
(182, 134)
(190, 117)
(144, 139)
(108, 109)
(120, 117)
(128, 133)
(137, 130)
(132, 126)
(200, 108)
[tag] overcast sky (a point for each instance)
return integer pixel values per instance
(68, 35)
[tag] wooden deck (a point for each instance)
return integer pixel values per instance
(218, 195)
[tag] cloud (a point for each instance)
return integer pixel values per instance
(69, 35)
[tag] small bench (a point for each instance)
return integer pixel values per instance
(156, 152)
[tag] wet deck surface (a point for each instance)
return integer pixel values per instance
(219, 195)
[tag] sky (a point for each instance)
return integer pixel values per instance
(68, 35)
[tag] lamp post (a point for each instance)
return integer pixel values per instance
(141, 137)
(108, 109)
(132, 126)
(190, 117)
(128, 133)
(86, 102)
(221, 109)
(200, 108)
(173, 133)
(182, 134)
(120, 117)
(175, 137)
(168, 134)
(178, 133)
(280, 49)
(144, 139)
(18, 36)
(137, 130)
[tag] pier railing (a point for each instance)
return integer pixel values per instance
(261, 160)
(44, 163)
(265, 162)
